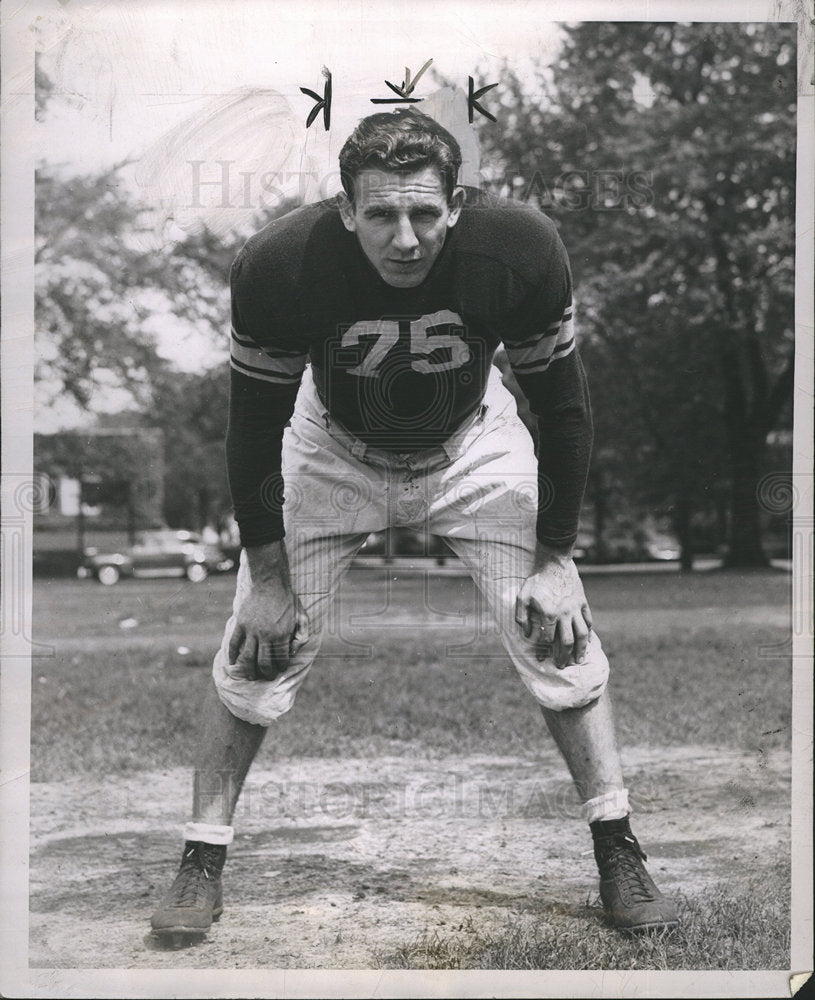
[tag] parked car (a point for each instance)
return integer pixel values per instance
(163, 552)
(406, 542)
(627, 547)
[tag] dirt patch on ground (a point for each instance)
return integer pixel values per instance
(337, 863)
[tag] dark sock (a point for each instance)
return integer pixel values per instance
(210, 856)
(610, 827)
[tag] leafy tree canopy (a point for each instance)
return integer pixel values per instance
(666, 153)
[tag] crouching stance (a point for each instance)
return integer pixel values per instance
(362, 380)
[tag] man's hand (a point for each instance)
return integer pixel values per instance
(271, 623)
(551, 602)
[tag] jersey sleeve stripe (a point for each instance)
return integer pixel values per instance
(272, 353)
(550, 331)
(542, 350)
(534, 367)
(532, 342)
(257, 360)
(537, 351)
(562, 349)
(264, 375)
(564, 319)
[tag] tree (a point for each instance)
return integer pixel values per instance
(191, 409)
(102, 280)
(666, 153)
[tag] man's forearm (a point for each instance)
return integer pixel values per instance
(548, 554)
(268, 563)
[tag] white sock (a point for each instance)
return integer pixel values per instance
(610, 805)
(208, 833)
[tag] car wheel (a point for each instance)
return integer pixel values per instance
(196, 572)
(108, 575)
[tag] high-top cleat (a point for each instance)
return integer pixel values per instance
(195, 898)
(629, 895)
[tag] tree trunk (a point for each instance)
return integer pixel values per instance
(600, 497)
(80, 525)
(744, 541)
(721, 519)
(682, 523)
(131, 515)
(748, 423)
(203, 509)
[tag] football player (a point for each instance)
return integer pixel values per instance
(363, 397)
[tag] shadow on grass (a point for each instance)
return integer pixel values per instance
(719, 929)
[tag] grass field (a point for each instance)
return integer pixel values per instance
(686, 657)
(720, 929)
(410, 673)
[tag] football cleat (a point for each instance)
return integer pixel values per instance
(195, 898)
(629, 896)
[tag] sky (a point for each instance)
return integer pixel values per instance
(127, 72)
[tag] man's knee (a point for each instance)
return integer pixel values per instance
(559, 690)
(256, 702)
(567, 709)
(260, 702)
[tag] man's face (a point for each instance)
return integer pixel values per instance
(401, 220)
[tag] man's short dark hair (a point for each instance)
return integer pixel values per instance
(403, 141)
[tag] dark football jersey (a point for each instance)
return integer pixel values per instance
(403, 368)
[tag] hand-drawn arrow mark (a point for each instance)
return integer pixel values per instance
(323, 103)
(404, 90)
(472, 100)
